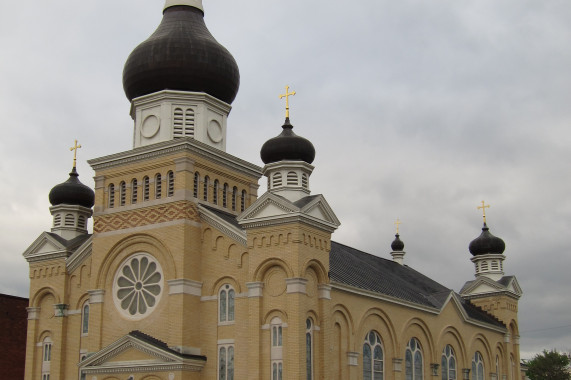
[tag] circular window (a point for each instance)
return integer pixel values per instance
(138, 286)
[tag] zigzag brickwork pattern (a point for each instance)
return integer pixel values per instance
(146, 216)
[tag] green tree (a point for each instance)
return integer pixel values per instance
(550, 365)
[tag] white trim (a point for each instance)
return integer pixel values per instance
(352, 358)
(185, 286)
(214, 220)
(222, 342)
(296, 285)
(255, 289)
(96, 296)
(33, 313)
(324, 291)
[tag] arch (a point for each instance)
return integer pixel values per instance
(450, 335)
(134, 191)
(243, 257)
(265, 265)
(213, 290)
(205, 186)
(41, 294)
(81, 300)
(218, 242)
(146, 188)
(170, 183)
(319, 269)
(344, 314)
(417, 328)
(275, 313)
(377, 320)
(232, 250)
(44, 334)
(480, 343)
(122, 193)
(158, 186)
(128, 246)
(195, 184)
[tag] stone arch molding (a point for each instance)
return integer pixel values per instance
(42, 293)
(266, 265)
(417, 328)
(376, 320)
(128, 247)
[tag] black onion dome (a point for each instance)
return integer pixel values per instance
(486, 243)
(72, 192)
(397, 245)
(287, 146)
(181, 55)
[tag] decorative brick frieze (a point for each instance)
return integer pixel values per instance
(146, 216)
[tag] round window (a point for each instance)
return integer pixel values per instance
(138, 286)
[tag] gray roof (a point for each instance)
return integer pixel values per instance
(72, 244)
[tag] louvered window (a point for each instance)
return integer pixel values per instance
(304, 180)
(57, 220)
(81, 221)
(134, 191)
(146, 188)
(234, 196)
(243, 201)
(158, 186)
(183, 122)
(277, 179)
(205, 189)
(69, 220)
(170, 178)
(292, 178)
(122, 193)
(215, 195)
(225, 196)
(195, 186)
(111, 195)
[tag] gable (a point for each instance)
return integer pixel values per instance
(45, 246)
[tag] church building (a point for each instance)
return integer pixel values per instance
(190, 274)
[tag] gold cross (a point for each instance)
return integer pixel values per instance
(74, 148)
(286, 96)
(483, 207)
(398, 223)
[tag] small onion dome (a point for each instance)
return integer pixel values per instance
(397, 245)
(486, 243)
(72, 192)
(181, 55)
(287, 146)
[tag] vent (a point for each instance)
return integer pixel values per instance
(183, 123)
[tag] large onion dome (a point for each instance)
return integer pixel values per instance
(486, 243)
(397, 245)
(72, 192)
(287, 146)
(181, 55)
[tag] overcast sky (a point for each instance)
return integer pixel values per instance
(418, 110)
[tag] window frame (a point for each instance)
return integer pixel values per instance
(226, 305)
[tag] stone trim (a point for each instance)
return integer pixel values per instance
(255, 289)
(33, 313)
(96, 296)
(324, 291)
(185, 286)
(352, 358)
(296, 285)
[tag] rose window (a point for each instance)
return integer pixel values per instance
(138, 285)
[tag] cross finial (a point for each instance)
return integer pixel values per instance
(74, 148)
(398, 223)
(483, 207)
(286, 96)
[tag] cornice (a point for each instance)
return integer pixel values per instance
(225, 227)
(79, 256)
(174, 146)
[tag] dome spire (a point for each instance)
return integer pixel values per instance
(74, 149)
(483, 207)
(398, 246)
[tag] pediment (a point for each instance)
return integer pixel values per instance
(484, 285)
(136, 352)
(44, 245)
(274, 209)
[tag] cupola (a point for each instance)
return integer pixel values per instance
(71, 206)
(181, 81)
(397, 246)
(287, 146)
(487, 251)
(486, 243)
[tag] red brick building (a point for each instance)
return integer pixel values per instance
(14, 322)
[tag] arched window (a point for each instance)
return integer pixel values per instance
(85, 319)
(146, 188)
(170, 179)
(243, 201)
(512, 363)
(309, 348)
(277, 180)
(215, 192)
(111, 192)
(226, 304)
(57, 220)
(158, 185)
(292, 179)
(225, 195)
(122, 193)
(69, 220)
(413, 360)
(46, 358)
(497, 367)
(226, 362)
(276, 353)
(448, 363)
(205, 190)
(304, 181)
(484, 265)
(134, 191)
(195, 185)
(81, 221)
(373, 357)
(234, 196)
(477, 367)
